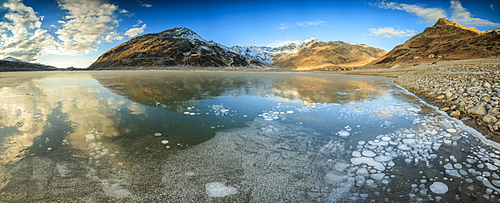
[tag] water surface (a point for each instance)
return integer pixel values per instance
(143, 136)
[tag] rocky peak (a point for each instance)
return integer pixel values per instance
(308, 42)
(181, 32)
(443, 22)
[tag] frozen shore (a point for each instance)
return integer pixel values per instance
(468, 90)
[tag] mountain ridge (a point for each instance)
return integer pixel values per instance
(183, 47)
(445, 40)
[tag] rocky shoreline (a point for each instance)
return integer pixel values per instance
(468, 90)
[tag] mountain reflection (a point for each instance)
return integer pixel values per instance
(176, 91)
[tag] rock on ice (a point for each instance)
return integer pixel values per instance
(218, 189)
(439, 188)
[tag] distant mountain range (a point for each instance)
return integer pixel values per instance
(13, 64)
(446, 40)
(183, 47)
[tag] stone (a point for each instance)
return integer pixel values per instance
(440, 97)
(445, 109)
(487, 85)
(495, 110)
(489, 119)
(455, 114)
(479, 109)
(497, 124)
(449, 94)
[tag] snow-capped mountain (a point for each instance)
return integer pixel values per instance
(266, 55)
(13, 59)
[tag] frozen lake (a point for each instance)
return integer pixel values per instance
(168, 136)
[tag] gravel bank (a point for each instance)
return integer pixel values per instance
(467, 90)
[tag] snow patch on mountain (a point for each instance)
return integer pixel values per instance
(265, 54)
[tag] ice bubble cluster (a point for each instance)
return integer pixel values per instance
(218, 189)
(433, 144)
(276, 113)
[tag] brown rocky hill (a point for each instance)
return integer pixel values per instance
(174, 47)
(23, 66)
(446, 40)
(333, 55)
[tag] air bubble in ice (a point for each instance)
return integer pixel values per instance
(343, 133)
(439, 188)
(362, 172)
(356, 154)
(157, 134)
(491, 167)
(164, 141)
(451, 130)
(368, 153)
(383, 158)
(448, 166)
(377, 176)
(218, 189)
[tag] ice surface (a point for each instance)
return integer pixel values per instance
(439, 188)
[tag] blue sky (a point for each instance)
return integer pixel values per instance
(67, 33)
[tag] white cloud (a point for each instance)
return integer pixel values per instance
(284, 26)
(310, 23)
(145, 5)
(462, 16)
(132, 32)
(429, 15)
(21, 36)
(87, 23)
(390, 32)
